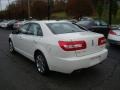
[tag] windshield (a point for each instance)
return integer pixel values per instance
(61, 28)
(83, 22)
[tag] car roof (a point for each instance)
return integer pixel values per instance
(48, 21)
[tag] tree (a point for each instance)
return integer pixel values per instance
(115, 8)
(59, 5)
(19, 9)
(101, 5)
(100, 8)
(79, 8)
(39, 9)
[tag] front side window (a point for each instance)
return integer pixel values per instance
(61, 28)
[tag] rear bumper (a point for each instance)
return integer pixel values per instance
(68, 65)
(114, 42)
(114, 39)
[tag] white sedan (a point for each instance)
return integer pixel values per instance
(4, 24)
(58, 46)
(114, 36)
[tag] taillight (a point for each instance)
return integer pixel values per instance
(72, 45)
(112, 32)
(101, 41)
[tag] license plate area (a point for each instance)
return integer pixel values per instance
(94, 58)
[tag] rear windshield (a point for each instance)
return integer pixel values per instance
(84, 22)
(61, 28)
(101, 23)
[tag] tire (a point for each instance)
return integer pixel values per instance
(41, 64)
(11, 47)
(107, 45)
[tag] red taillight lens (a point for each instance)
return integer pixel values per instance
(101, 41)
(72, 45)
(113, 33)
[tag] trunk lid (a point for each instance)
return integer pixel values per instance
(90, 38)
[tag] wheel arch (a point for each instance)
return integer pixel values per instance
(39, 51)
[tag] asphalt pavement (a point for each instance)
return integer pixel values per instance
(19, 73)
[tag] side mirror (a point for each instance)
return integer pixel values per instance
(16, 32)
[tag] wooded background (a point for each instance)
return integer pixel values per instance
(68, 8)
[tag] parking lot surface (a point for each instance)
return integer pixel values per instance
(19, 73)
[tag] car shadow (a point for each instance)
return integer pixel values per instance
(20, 59)
(81, 78)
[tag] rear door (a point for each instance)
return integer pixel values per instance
(30, 40)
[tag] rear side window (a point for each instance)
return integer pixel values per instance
(35, 29)
(61, 28)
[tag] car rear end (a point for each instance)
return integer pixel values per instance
(11, 24)
(101, 29)
(94, 27)
(114, 37)
(4, 24)
(77, 50)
